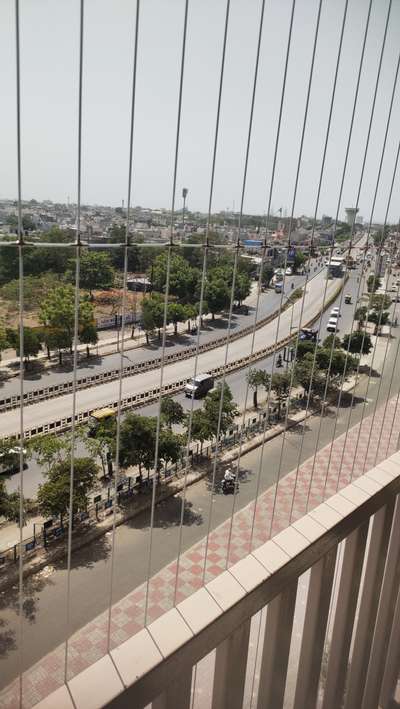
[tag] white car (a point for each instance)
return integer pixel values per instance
(332, 325)
(288, 271)
(335, 313)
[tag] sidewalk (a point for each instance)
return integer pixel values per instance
(252, 526)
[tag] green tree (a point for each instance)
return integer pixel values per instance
(299, 260)
(361, 315)
(137, 441)
(257, 378)
(267, 274)
(49, 450)
(242, 287)
(183, 278)
(32, 342)
(379, 301)
(217, 293)
(308, 375)
(170, 447)
(373, 283)
(212, 407)
(201, 428)
(280, 385)
(176, 313)
(171, 411)
(57, 317)
(357, 342)
(332, 341)
(153, 314)
(103, 444)
(95, 271)
(3, 339)
(379, 319)
(54, 495)
(87, 325)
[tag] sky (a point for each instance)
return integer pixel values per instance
(49, 38)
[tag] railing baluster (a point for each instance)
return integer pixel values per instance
(230, 669)
(346, 605)
(392, 669)
(176, 694)
(374, 569)
(316, 618)
(275, 656)
(386, 609)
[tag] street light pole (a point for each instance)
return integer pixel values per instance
(184, 195)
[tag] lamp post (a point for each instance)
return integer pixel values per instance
(184, 195)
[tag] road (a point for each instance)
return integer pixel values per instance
(44, 412)
(45, 593)
(33, 475)
(269, 302)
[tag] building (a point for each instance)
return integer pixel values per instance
(351, 213)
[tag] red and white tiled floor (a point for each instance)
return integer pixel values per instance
(335, 464)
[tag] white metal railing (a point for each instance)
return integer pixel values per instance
(350, 545)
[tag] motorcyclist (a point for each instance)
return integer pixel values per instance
(229, 476)
(279, 361)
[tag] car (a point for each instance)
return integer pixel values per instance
(332, 325)
(288, 271)
(335, 312)
(396, 299)
(394, 289)
(347, 298)
(199, 386)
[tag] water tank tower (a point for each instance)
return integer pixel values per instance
(351, 213)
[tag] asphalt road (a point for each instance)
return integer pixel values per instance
(45, 593)
(102, 394)
(236, 380)
(269, 302)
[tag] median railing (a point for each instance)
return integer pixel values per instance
(329, 585)
(136, 400)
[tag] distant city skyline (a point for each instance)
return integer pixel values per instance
(49, 94)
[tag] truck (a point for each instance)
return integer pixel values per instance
(199, 386)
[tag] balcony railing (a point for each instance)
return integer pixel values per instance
(344, 556)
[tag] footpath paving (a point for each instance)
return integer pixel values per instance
(316, 479)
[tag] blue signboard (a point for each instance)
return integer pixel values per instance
(291, 254)
(30, 545)
(252, 243)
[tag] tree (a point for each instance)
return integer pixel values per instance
(373, 283)
(357, 342)
(257, 378)
(299, 260)
(217, 293)
(153, 314)
(171, 411)
(3, 338)
(304, 347)
(87, 325)
(183, 278)
(103, 444)
(280, 385)
(54, 495)
(32, 342)
(242, 287)
(137, 441)
(308, 375)
(57, 315)
(212, 407)
(95, 271)
(361, 315)
(332, 342)
(201, 428)
(379, 301)
(190, 313)
(176, 313)
(267, 274)
(170, 447)
(379, 319)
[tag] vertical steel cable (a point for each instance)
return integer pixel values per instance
(300, 156)
(244, 183)
(76, 335)
(271, 187)
(122, 353)
(371, 296)
(322, 170)
(250, 128)
(392, 377)
(357, 201)
(368, 235)
(158, 425)
(202, 287)
(299, 160)
(21, 350)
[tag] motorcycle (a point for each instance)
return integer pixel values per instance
(229, 487)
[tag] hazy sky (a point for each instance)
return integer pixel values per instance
(49, 70)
